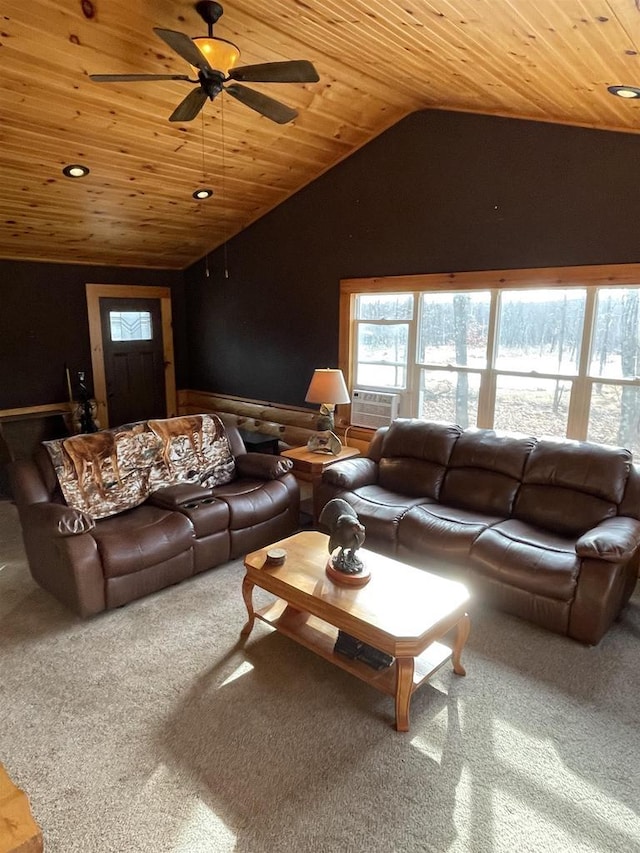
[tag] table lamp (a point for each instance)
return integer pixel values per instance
(328, 388)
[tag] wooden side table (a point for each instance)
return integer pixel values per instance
(308, 466)
(19, 833)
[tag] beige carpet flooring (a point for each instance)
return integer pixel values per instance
(151, 729)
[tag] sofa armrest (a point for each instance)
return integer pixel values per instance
(262, 466)
(352, 473)
(63, 557)
(57, 519)
(614, 540)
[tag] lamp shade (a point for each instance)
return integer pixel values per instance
(327, 386)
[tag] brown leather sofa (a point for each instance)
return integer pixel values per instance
(181, 530)
(547, 530)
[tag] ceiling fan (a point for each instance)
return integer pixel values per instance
(214, 59)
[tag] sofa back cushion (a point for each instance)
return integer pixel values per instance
(414, 456)
(106, 472)
(570, 486)
(485, 470)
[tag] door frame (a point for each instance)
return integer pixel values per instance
(124, 291)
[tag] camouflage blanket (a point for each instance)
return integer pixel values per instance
(106, 472)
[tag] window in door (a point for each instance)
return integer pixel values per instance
(130, 325)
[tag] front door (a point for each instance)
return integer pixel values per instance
(133, 359)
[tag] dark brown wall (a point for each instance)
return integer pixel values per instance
(437, 192)
(43, 325)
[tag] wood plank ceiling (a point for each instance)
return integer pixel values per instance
(549, 60)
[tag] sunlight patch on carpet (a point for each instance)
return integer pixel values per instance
(549, 777)
(244, 668)
(432, 742)
(203, 832)
(171, 807)
(464, 804)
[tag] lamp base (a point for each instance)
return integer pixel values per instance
(325, 422)
(325, 442)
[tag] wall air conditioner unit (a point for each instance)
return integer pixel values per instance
(373, 409)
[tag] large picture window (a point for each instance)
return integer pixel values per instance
(548, 352)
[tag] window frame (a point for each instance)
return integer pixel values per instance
(588, 277)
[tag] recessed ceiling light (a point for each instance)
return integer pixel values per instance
(202, 193)
(75, 170)
(624, 91)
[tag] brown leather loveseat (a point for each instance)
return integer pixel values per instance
(175, 531)
(544, 529)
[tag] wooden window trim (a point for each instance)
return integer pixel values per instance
(596, 275)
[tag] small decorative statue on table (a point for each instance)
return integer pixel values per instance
(86, 405)
(347, 534)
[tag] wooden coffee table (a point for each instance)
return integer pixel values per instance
(402, 611)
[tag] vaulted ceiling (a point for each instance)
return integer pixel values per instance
(548, 60)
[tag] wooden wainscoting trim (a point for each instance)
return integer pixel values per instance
(34, 411)
(297, 421)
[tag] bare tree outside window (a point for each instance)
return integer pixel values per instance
(461, 306)
(629, 362)
(615, 401)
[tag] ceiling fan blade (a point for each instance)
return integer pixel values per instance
(190, 106)
(292, 71)
(135, 78)
(263, 104)
(184, 47)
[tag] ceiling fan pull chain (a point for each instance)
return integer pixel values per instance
(224, 194)
(204, 180)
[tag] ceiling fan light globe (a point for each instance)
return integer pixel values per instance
(221, 54)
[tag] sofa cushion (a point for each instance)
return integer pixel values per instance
(479, 491)
(141, 537)
(107, 472)
(595, 469)
(441, 531)
(485, 470)
(411, 477)
(518, 554)
(419, 439)
(252, 501)
(589, 478)
(414, 456)
(563, 510)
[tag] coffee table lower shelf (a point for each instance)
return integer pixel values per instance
(320, 637)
